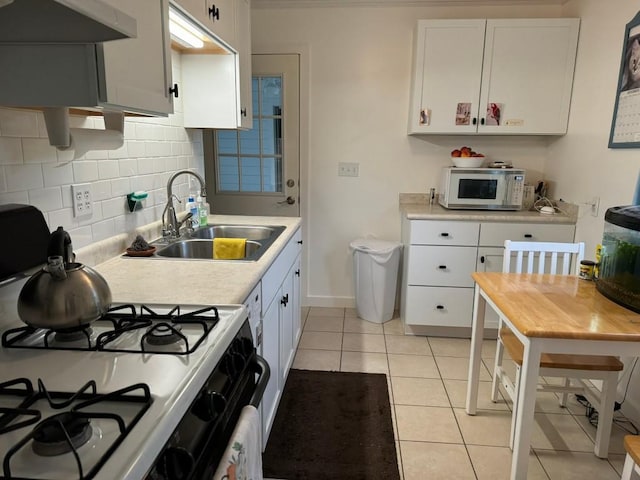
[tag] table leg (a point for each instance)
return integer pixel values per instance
(525, 409)
(605, 418)
(477, 332)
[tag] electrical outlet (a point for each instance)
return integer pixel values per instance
(82, 200)
(348, 169)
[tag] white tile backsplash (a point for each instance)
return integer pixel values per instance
(57, 174)
(46, 198)
(10, 151)
(108, 169)
(19, 123)
(38, 150)
(23, 177)
(85, 171)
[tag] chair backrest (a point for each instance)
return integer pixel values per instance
(544, 251)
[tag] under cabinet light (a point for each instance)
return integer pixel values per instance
(184, 31)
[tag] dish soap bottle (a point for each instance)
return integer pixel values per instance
(192, 207)
(203, 212)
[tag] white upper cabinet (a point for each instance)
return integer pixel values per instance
(138, 70)
(221, 16)
(217, 16)
(216, 87)
(507, 76)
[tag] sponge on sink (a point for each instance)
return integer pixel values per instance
(229, 248)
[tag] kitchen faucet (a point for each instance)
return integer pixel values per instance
(171, 228)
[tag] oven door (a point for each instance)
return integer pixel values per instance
(198, 443)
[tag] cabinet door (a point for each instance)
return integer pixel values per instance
(209, 91)
(195, 8)
(221, 19)
(447, 72)
(287, 349)
(295, 304)
(271, 353)
(137, 73)
(243, 45)
(528, 72)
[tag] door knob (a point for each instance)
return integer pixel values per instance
(289, 201)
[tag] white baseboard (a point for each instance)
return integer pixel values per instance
(322, 301)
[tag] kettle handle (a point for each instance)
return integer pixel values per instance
(60, 245)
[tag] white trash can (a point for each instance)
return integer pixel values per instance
(375, 271)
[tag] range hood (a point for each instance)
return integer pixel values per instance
(63, 21)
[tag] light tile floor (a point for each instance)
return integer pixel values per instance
(435, 438)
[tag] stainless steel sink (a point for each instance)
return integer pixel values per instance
(201, 249)
(250, 232)
(198, 245)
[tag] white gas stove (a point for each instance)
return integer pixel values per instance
(171, 365)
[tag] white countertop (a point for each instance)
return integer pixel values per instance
(155, 280)
(415, 207)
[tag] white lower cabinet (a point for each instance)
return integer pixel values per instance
(437, 288)
(281, 322)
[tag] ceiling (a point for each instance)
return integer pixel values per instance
(425, 3)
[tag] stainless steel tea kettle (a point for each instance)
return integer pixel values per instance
(64, 294)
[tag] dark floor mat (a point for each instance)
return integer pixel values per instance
(332, 425)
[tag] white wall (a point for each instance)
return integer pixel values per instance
(32, 172)
(359, 79)
(580, 164)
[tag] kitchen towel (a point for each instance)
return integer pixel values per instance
(242, 460)
(229, 248)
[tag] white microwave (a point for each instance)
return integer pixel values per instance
(481, 188)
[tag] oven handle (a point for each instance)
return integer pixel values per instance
(261, 367)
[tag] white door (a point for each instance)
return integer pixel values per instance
(257, 171)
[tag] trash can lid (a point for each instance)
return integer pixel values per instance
(374, 245)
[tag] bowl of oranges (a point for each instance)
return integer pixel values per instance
(465, 157)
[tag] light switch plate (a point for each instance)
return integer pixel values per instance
(82, 200)
(348, 169)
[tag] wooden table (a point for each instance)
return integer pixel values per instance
(551, 314)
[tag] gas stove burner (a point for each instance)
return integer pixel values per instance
(61, 434)
(163, 329)
(69, 336)
(164, 334)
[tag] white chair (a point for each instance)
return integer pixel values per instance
(555, 258)
(632, 461)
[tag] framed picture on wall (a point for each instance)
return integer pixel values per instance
(625, 126)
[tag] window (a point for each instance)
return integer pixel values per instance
(251, 161)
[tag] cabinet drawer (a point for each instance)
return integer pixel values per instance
(494, 234)
(439, 306)
(441, 265)
(425, 232)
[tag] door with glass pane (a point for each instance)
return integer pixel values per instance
(257, 171)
